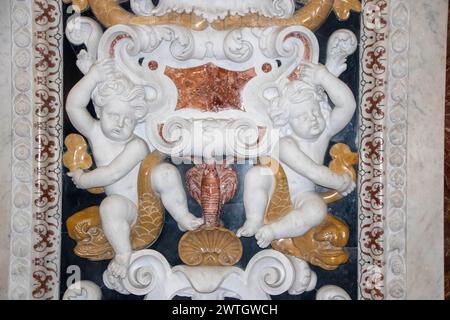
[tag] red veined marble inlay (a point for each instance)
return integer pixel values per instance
(209, 87)
(306, 56)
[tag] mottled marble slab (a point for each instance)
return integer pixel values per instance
(5, 142)
(427, 61)
(447, 175)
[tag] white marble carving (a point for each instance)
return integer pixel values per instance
(307, 123)
(83, 290)
(342, 43)
(20, 270)
(268, 273)
(118, 152)
(83, 30)
(396, 171)
(213, 10)
(187, 132)
(121, 76)
(6, 114)
(332, 293)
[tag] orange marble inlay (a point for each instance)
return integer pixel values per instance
(209, 87)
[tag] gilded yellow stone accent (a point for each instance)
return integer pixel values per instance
(77, 157)
(210, 247)
(85, 226)
(342, 8)
(311, 16)
(343, 161)
(324, 245)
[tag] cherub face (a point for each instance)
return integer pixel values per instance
(307, 120)
(118, 120)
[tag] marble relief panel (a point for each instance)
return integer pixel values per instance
(210, 88)
(247, 80)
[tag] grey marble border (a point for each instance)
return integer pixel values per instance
(5, 150)
(425, 148)
(22, 144)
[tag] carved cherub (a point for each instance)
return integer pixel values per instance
(120, 105)
(307, 122)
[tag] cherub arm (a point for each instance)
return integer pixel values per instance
(321, 175)
(134, 152)
(338, 92)
(80, 95)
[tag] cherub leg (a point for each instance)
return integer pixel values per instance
(118, 214)
(258, 188)
(310, 210)
(166, 181)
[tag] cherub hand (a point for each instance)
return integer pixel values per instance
(313, 73)
(103, 70)
(347, 185)
(76, 178)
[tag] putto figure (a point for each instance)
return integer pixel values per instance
(120, 105)
(307, 123)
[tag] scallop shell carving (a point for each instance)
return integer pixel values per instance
(210, 247)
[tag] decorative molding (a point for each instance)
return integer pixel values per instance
(383, 138)
(396, 151)
(372, 175)
(213, 10)
(268, 273)
(37, 122)
(182, 132)
(47, 147)
(22, 146)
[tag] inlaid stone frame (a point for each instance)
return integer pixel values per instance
(401, 125)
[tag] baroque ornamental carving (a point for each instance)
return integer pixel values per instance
(210, 83)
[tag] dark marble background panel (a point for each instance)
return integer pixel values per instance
(233, 212)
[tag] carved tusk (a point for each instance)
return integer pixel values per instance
(110, 13)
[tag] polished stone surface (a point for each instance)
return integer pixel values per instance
(427, 58)
(5, 150)
(447, 174)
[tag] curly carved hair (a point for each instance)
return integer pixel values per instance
(294, 93)
(124, 90)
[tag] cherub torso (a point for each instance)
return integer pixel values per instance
(105, 151)
(315, 150)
